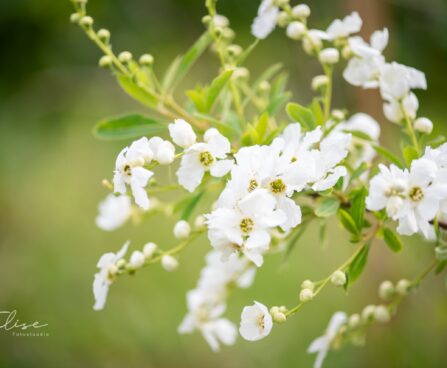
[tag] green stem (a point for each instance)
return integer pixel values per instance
(327, 98)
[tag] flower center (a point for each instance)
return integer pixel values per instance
(260, 322)
(293, 159)
(127, 169)
(277, 186)
(247, 225)
(206, 158)
(416, 194)
(394, 191)
(252, 185)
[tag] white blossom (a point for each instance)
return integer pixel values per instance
(182, 133)
(256, 322)
(352, 23)
(106, 275)
(423, 125)
(137, 259)
(164, 151)
(201, 157)
(169, 263)
(265, 21)
(322, 344)
(114, 211)
(182, 229)
(129, 170)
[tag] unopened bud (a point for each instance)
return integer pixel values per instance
(279, 317)
(368, 312)
(295, 30)
(106, 184)
(301, 11)
(386, 290)
(125, 56)
(121, 264)
(137, 259)
(264, 86)
(182, 230)
(319, 81)
(169, 263)
(338, 115)
(382, 314)
(283, 309)
(283, 19)
(274, 310)
(74, 18)
(306, 295)
(338, 278)
(234, 50)
(403, 287)
(104, 35)
(329, 56)
(241, 73)
(149, 249)
(423, 125)
(146, 59)
(105, 61)
(200, 222)
(441, 253)
(307, 284)
(86, 21)
(354, 321)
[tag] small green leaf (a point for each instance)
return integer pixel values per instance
(440, 267)
(191, 205)
(358, 206)
(267, 75)
(127, 126)
(410, 153)
(317, 111)
(301, 115)
(393, 240)
(348, 222)
(197, 96)
(182, 64)
(388, 155)
(358, 264)
(261, 127)
(216, 88)
(137, 92)
(327, 207)
(359, 134)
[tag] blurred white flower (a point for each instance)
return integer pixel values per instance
(182, 229)
(321, 345)
(182, 133)
(265, 22)
(256, 322)
(129, 170)
(106, 276)
(137, 259)
(164, 151)
(114, 211)
(201, 157)
(341, 28)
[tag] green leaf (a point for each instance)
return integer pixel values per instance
(359, 134)
(191, 205)
(277, 102)
(267, 75)
(317, 111)
(327, 207)
(358, 264)
(182, 64)
(348, 222)
(301, 115)
(216, 88)
(388, 155)
(440, 267)
(358, 206)
(261, 127)
(359, 171)
(137, 92)
(393, 240)
(197, 96)
(410, 153)
(242, 57)
(127, 126)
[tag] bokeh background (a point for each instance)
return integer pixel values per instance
(51, 94)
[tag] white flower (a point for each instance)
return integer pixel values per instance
(200, 157)
(182, 133)
(114, 211)
(129, 169)
(245, 227)
(256, 322)
(265, 22)
(344, 28)
(182, 229)
(106, 276)
(322, 344)
(363, 69)
(207, 319)
(164, 151)
(396, 81)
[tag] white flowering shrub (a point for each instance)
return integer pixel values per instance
(270, 175)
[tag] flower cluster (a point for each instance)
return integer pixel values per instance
(266, 179)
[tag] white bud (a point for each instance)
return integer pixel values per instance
(279, 317)
(169, 263)
(221, 21)
(338, 115)
(86, 21)
(165, 153)
(306, 295)
(329, 56)
(283, 309)
(75, 17)
(274, 310)
(295, 30)
(338, 278)
(307, 284)
(312, 42)
(146, 59)
(403, 286)
(283, 19)
(386, 290)
(105, 61)
(182, 230)
(410, 104)
(137, 259)
(346, 52)
(104, 35)
(240, 73)
(182, 133)
(368, 312)
(301, 11)
(382, 314)
(234, 50)
(319, 81)
(149, 249)
(264, 86)
(200, 222)
(125, 56)
(423, 125)
(354, 321)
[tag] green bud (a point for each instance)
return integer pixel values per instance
(105, 61)
(386, 290)
(86, 21)
(306, 295)
(279, 317)
(74, 18)
(354, 321)
(368, 312)
(125, 57)
(382, 314)
(403, 287)
(104, 35)
(338, 278)
(146, 59)
(307, 284)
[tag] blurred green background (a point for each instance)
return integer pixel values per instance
(51, 94)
